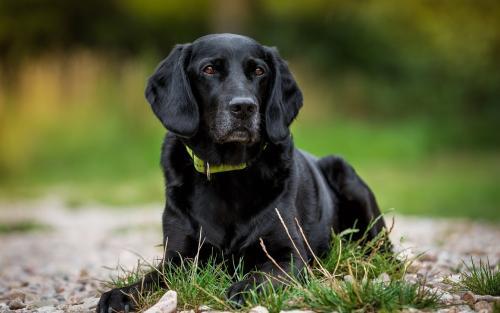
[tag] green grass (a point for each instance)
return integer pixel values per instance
(365, 142)
(481, 279)
(399, 162)
(24, 226)
(367, 296)
(321, 287)
(445, 186)
(408, 171)
(361, 260)
(196, 284)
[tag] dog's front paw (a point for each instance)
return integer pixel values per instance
(236, 292)
(117, 300)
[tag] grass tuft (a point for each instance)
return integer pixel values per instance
(481, 279)
(199, 284)
(350, 277)
(367, 296)
(196, 284)
(274, 297)
(362, 258)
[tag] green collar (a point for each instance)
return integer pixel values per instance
(207, 169)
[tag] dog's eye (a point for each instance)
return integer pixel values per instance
(209, 69)
(259, 71)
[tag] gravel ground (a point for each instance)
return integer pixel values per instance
(59, 269)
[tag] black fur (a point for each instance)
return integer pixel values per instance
(170, 96)
(234, 210)
(285, 99)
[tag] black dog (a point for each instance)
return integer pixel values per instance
(229, 162)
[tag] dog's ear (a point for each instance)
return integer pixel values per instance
(285, 98)
(169, 92)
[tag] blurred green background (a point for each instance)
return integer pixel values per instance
(407, 91)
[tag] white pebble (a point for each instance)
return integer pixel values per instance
(167, 303)
(258, 309)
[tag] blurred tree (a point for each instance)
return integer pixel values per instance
(436, 60)
(230, 16)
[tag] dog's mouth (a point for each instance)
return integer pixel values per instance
(239, 136)
(227, 130)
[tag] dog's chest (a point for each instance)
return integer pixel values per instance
(223, 216)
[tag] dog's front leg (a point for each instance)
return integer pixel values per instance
(267, 273)
(280, 261)
(180, 242)
(123, 299)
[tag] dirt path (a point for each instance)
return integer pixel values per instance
(58, 269)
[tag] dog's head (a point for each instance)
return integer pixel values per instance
(227, 86)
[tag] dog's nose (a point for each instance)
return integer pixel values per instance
(242, 107)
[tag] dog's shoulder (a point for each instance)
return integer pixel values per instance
(174, 161)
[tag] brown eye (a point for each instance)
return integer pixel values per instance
(259, 71)
(209, 69)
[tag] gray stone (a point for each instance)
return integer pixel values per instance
(90, 303)
(384, 278)
(483, 306)
(4, 308)
(446, 297)
(14, 294)
(44, 303)
(47, 309)
(204, 308)
(349, 279)
(428, 257)
(16, 304)
(469, 297)
(258, 309)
